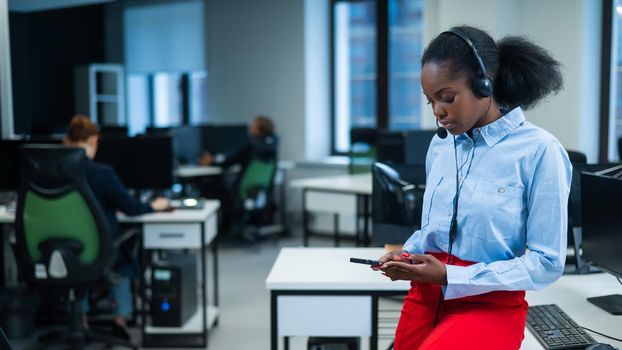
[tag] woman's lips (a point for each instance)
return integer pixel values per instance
(448, 125)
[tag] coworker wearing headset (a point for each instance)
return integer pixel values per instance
(112, 197)
(497, 186)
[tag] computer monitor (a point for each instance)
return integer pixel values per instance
(113, 130)
(141, 162)
(390, 147)
(601, 221)
(9, 165)
(225, 138)
(397, 198)
(403, 147)
(187, 142)
(416, 146)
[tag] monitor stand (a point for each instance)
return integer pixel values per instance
(580, 266)
(610, 303)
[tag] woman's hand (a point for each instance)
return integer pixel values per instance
(396, 255)
(160, 204)
(423, 268)
(206, 159)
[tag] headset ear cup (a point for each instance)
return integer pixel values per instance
(482, 87)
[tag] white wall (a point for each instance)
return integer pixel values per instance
(569, 30)
(255, 63)
(164, 36)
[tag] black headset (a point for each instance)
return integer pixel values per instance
(481, 86)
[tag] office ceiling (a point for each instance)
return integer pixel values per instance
(43, 5)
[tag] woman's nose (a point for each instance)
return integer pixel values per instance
(438, 111)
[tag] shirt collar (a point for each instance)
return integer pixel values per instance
(497, 130)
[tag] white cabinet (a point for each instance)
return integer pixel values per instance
(100, 93)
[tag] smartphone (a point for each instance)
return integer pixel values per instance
(366, 261)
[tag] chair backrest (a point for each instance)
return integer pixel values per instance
(259, 173)
(578, 161)
(397, 199)
(62, 234)
(362, 151)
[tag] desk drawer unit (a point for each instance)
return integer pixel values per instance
(172, 236)
(179, 235)
(326, 202)
(329, 316)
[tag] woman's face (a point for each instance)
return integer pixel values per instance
(452, 100)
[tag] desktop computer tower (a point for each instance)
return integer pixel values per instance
(174, 290)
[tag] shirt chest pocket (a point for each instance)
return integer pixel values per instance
(430, 196)
(496, 211)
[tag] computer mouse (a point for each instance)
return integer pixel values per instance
(600, 346)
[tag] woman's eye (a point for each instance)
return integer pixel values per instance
(448, 99)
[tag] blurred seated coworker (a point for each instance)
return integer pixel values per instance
(112, 196)
(261, 127)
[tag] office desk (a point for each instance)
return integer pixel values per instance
(337, 195)
(179, 230)
(318, 292)
(570, 293)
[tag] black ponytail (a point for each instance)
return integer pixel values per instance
(523, 73)
(526, 74)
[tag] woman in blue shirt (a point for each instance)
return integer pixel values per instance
(495, 206)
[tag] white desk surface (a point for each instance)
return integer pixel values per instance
(185, 215)
(570, 293)
(329, 269)
(197, 171)
(357, 184)
(181, 215)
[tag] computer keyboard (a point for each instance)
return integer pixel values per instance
(186, 203)
(555, 330)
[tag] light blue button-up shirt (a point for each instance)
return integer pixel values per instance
(512, 216)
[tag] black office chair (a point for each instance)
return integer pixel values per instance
(578, 161)
(63, 238)
(255, 184)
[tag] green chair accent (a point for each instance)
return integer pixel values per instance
(255, 185)
(259, 174)
(62, 236)
(65, 217)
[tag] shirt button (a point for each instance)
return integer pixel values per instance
(501, 190)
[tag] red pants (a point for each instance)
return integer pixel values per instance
(494, 320)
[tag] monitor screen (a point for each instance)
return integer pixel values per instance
(416, 145)
(397, 198)
(225, 138)
(601, 219)
(390, 147)
(140, 162)
(187, 142)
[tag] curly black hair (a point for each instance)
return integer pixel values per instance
(522, 72)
